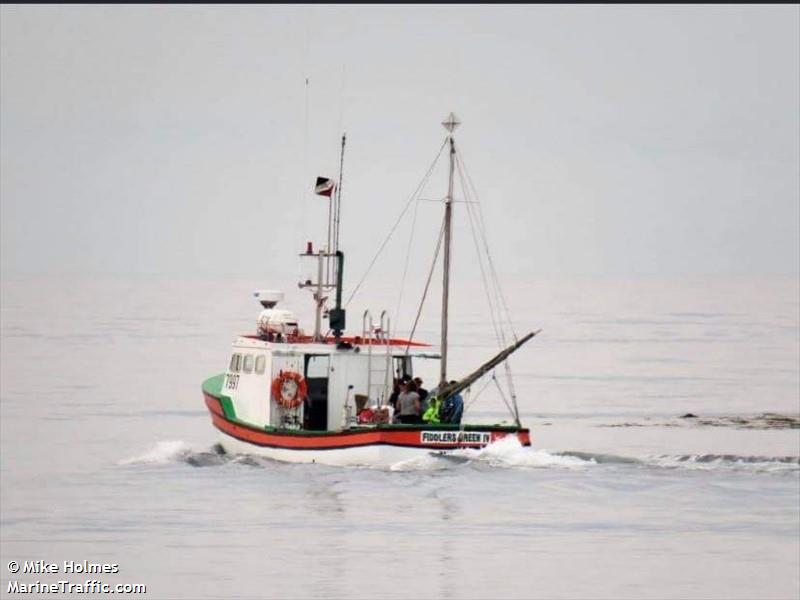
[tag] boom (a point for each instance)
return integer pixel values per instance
(452, 389)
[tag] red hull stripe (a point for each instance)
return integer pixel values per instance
(214, 405)
(345, 439)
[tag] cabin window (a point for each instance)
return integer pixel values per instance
(402, 367)
(236, 363)
(317, 365)
(247, 366)
(261, 363)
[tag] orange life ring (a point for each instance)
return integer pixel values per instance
(289, 389)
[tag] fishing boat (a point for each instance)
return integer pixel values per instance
(325, 396)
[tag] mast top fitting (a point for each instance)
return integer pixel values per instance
(451, 122)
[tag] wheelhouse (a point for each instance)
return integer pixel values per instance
(339, 379)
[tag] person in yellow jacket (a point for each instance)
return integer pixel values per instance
(431, 415)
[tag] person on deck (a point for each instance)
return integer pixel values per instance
(408, 404)
(395, 393)
(424, 397)
(452, 408)
(431, 414)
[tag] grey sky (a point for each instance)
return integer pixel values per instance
(615, 140)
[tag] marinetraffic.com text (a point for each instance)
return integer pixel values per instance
(67, 577)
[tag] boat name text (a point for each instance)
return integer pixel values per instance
(455, 437)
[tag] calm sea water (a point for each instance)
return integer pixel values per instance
(108, 453)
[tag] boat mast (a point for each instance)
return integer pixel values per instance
(338, 204)
(330, 260)
(450, 124)
(336, 316)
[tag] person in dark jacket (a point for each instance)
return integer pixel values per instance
(452, 409)
(395, 394)
(423, 393)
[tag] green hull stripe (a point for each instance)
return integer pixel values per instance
(227, 408)
(213, 387)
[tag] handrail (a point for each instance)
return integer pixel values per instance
(386, 336)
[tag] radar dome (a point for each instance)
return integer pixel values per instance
(268, 298)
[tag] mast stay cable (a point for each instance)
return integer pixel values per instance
(482, 229)
(477, 395)
(427, 285)
(499, 291)
(476, 226)
(397, 221)
(499, 335)
(405, 266)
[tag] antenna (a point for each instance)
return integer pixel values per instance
(338, 208)
(336, 316)
(330, 261)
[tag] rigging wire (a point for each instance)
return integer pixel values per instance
(514, 412)
(427, 285)
(405, 266)
(397, 222)
(338, 195)
(498, 327)
(499, 335)
(499, 292)
(493, 272)
(338, 191)
(474, 399)
(480, 391)
(482, 229)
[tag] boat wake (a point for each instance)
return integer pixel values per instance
(507, 453)
(733, 462)
(763, 421)
(162, 453)
(176, 451)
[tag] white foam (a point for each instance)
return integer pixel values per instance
(509, 452)
(420, 463)
(162, 453)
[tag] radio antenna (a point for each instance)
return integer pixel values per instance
(336, 316)
(338, 199)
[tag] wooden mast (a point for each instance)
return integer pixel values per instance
(450, 124)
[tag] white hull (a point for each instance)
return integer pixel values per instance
(377, 455)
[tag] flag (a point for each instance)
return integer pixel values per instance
(324, 187)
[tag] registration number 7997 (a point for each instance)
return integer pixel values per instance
(232, 382)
